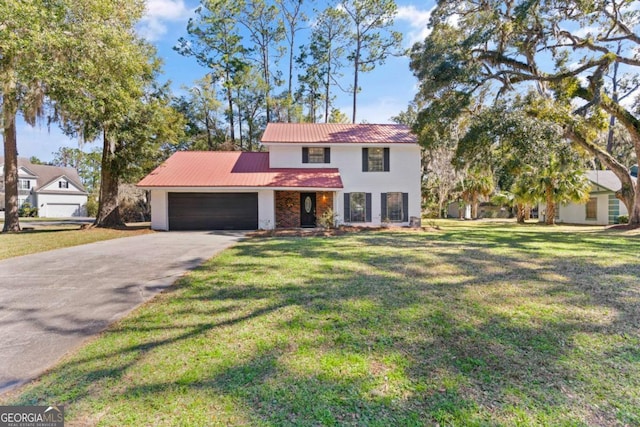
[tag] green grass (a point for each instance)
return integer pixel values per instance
(478, 324)
(45, 238)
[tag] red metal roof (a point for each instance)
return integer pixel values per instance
(337, 133)
(234, 169)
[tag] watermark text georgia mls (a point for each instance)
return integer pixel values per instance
(31, 416)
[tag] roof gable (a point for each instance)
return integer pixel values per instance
(24, 172)
(53, 186)
(335, 133)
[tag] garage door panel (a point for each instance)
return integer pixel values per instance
(213, 211)
(62, 210)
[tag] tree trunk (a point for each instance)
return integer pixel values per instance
(610, 135)
(108, 209)
(327, 86)
(239, 120)
(206, 123)
(520, 213)
(230, 102)
(612, 118)
(267, 81)
(634, 214)
(551, 207)
(11, 217)
(355, 80)
(474, 207)
(527, 212)
(290, 88)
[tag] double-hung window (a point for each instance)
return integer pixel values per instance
(63, 184)
(316, 155)
(394, 207)
(357, 207)
(24, 184)
(375, 159)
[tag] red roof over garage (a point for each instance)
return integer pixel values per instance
(235, 169)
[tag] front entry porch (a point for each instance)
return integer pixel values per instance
(296, 209)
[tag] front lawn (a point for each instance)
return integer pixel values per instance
(475, 324)
(45, 238)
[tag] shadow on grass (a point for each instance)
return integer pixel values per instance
(380, 329)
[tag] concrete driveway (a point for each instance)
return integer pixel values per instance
(52, 301)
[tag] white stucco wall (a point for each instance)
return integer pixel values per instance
(404, 173)
(160, 205)
(159, 210)
(266, 209)
(574, 213)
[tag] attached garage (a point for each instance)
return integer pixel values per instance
(213, 211)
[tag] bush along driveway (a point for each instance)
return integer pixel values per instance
(471, 325)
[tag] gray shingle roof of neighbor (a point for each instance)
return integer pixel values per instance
(46, 174)
(606, 179)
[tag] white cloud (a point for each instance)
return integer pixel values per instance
(159, 13)
(417, 19)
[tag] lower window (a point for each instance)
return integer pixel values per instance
(358, 207)
(395, 211)
(592, 208)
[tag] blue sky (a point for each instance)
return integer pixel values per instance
(386, 91)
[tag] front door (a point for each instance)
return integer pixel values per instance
(307, 209)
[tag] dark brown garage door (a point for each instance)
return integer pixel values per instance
(213, 211)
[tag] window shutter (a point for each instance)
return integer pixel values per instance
(347, 208)
(327, 155)
(368, 206)
(386, 159)
(383, 204)
(365, 160)
(305, 155)
(405, 207)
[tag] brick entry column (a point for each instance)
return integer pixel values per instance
(288, 207)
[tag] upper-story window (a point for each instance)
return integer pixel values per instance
(375, 159)
(24, 184)
(63, 184)
(316, 155)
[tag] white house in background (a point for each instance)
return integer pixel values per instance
(602, 208)
(57, 192)
(365, 174)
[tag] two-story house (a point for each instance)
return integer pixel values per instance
(56, 191)
(365, 174)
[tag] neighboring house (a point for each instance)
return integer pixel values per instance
(365, 174)
(57, 192)
(602, 208)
